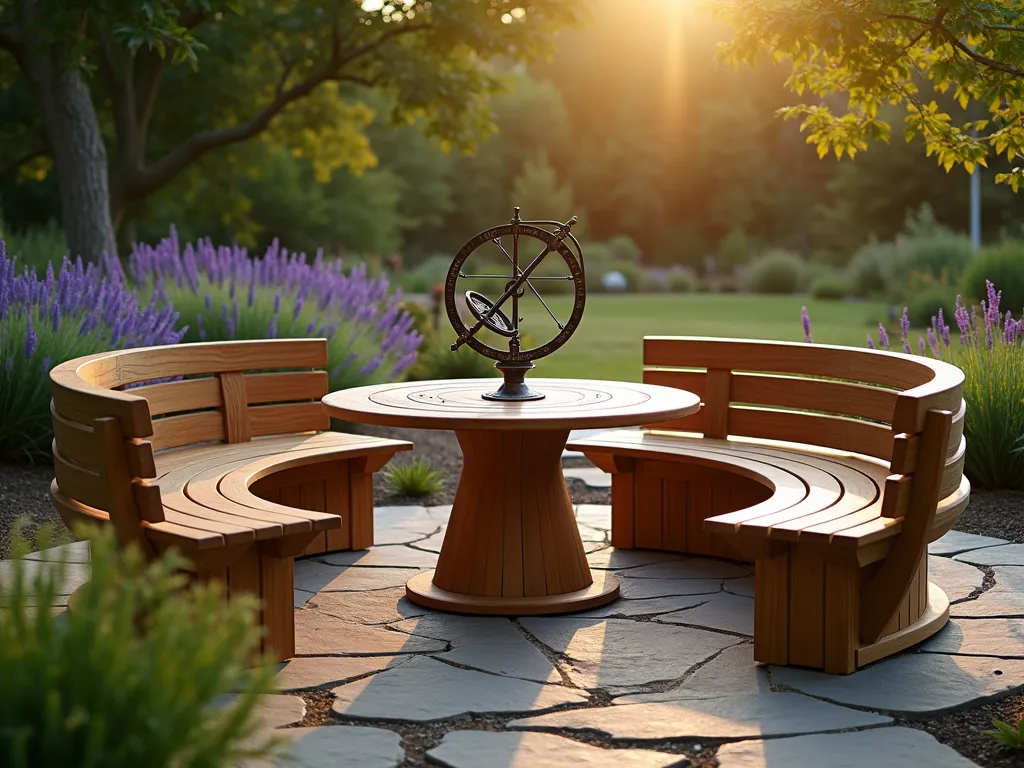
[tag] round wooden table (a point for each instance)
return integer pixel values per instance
(512, 546)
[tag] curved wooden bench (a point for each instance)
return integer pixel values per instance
(831, 467)
(155, 441)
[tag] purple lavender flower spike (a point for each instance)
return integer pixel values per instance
(963, 320)
(905, 325)
(805, 319)
(921, 345)
(883, 337)
(46, 365)
(31, 340)
(9, 365)
(1009, 327)
(371, 366)
(272, 328)
(209, 302)
(933, 343)
(252, 292)
(277, 302)
(992, 315)
(55, 317)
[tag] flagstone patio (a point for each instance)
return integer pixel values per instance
(662, 676)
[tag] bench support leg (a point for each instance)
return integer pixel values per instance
(771, 609)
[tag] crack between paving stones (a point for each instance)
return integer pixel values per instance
(930, 714)
(549, 653)
(664, 686)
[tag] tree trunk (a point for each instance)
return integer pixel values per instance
(79, 154)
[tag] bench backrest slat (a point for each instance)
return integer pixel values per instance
(835, 397)
(235, 391)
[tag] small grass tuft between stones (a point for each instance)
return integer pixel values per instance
(414, 478)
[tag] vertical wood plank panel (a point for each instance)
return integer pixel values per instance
(277, 579)
(842, 616)
(512, 533)
(623, 510)
(716, 403)
(648, 511)
(771, 610)
(235, 406)
(806, 608)
(675, 510)
(336, 501)
(243, 575)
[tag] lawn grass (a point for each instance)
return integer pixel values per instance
(607, 344)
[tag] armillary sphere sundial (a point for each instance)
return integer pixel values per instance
(501, 315)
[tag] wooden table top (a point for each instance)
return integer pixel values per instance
(457, 404)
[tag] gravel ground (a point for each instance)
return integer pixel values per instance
(995, 513)
(25, 493)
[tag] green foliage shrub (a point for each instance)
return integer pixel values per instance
(1003, 264)
(437, 361)
(623, 250)
(414, 478)
(931, 254)
(830, 287)
(133, 675)
(35, 248)
(923, 305)
(868, 270)
(683, 281)
(428, 273)
(734, 250)
(776, 271)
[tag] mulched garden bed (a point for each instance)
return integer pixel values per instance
(24, 493)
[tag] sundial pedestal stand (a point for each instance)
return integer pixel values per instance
(514, 388)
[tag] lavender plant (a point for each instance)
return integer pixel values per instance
(57, 317)
(224, 293)
(990, 352)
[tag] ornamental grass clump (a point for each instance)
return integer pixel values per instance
(134, 675)
(990, 352)
(49, 319)
(224, 293)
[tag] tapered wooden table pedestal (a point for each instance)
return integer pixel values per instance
(512, 546)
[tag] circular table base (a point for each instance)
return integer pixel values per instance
(422, 591)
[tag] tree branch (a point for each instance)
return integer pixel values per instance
(18, 162)
(981, 58)
(145, 181)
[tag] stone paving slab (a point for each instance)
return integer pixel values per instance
(490, 644)
(612, 559)
(75, 552)
(314, 672)
(394, 556)
(955, 542)
(337, 746)
(75, 575)
(689, 568)
(425, 689)
(979, 637)
(729, 613)
(595, 515)
(644, 607)
(916, 683)
(744, 586)
(378, 606)
(877, 748)
(302, 597)
(591, 476)
(402, 525)
(732, 673)
(728, 717)
(637, 589)
(273, 710)
(1004, 599)
(958, 580)
(318, 634)
(314, 576)
(1005, 554)
(618, 653)
(471, 749)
